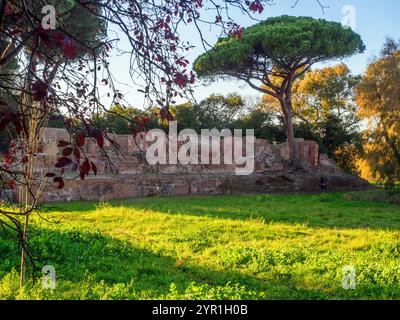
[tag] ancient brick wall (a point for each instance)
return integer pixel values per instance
(127, 174)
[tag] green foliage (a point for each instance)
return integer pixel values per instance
(326, 92)
(378, 99)
(86, 28)
(324, 109)
(222, 247)
(272, 54)
(336, 133)
(387, 196)
(229, 112)
(265, 125)
(119, 119)
(283, 41)
(216, 111)
(229, 291)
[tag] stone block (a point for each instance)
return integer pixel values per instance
(132, 176)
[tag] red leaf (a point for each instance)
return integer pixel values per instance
(80, 139)
(77, 153)
(18, 126)
(94, 168)
(100, 140)
(256, 6)
(63, 143)
(50, 175)
(39, 90)
(60, 182)
(58, 38)
(85, 169)
(67, 151)
(8, 10)
(62, 162)
(69, 48)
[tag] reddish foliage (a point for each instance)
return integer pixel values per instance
(77, 154)
(256, 6)
(98, 135)
(8, 10)
(62, 162)
(63, 143)
(94, 168)
(18, 124)
(165, 114)
(80, 139)
(140, 125)
(60, 182)
(17, 119)
(100, 141)
(7, 165)
(39, 90)
(236, 33)
(155, 43)
(67, 151)
(69, 48)
(52, 38)
(85, 169)
(50, 175)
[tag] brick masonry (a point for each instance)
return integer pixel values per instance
(129, 174)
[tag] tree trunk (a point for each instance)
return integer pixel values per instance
(23, 252)
(286, 105)
(291, 140)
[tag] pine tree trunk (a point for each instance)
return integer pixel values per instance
(291, 140)
(23, 252)
(286, 105)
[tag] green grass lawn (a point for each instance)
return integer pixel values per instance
(218, 247)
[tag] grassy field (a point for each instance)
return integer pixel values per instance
(220, 247)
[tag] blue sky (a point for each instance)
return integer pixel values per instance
(374, 21)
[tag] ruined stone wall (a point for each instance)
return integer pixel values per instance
(127, 174)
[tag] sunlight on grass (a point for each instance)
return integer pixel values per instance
(228, 247)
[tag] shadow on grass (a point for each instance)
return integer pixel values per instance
(333, 210)
(76, 255)
(109, 262)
